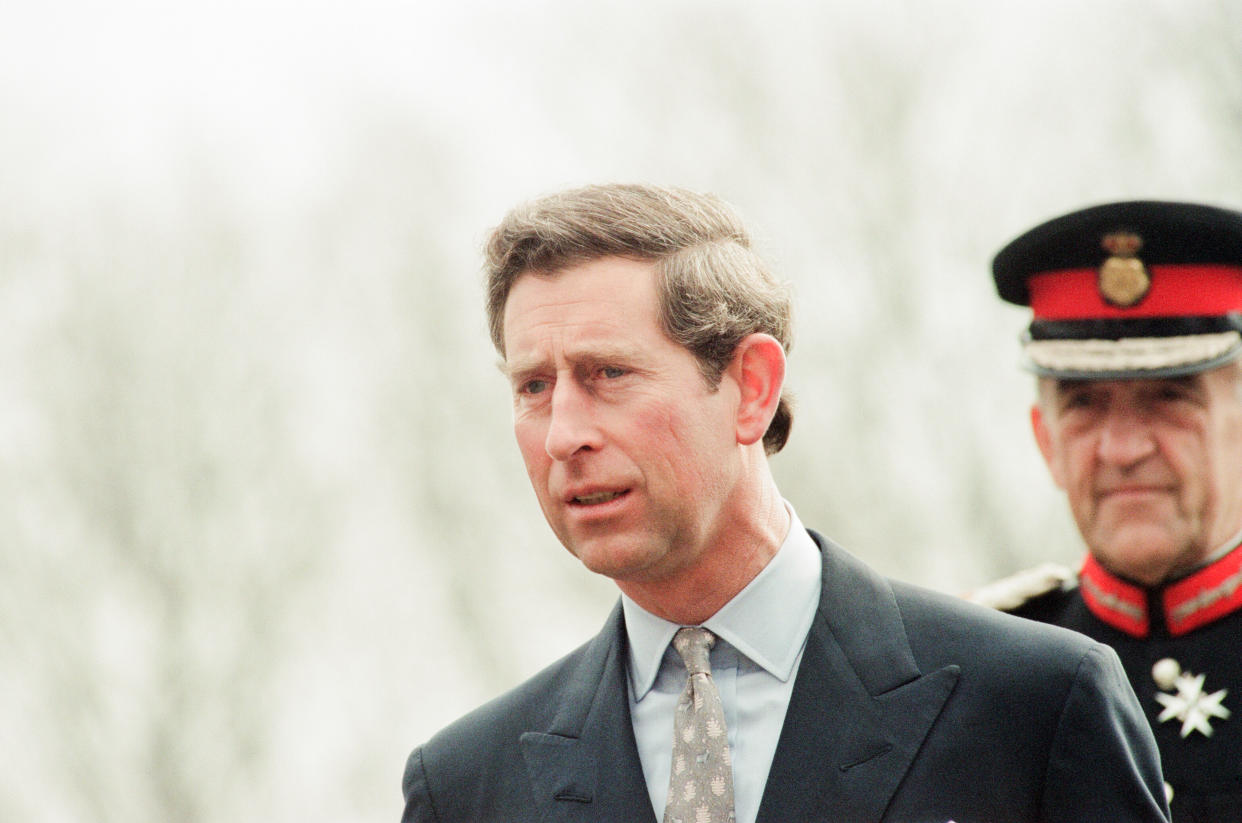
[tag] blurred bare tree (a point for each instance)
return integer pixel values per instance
(158, 525)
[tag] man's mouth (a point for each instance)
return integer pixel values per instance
(1132, 492)
(597, 497)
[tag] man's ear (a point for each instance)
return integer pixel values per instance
(1043, 438)
(759, 368)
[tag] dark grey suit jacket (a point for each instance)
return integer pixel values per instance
(908, 706)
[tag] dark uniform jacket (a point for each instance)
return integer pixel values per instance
(1181, 646)
(909, 707)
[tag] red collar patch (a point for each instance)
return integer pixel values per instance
(1194, 601)
(1207, 595)
(1120, 604)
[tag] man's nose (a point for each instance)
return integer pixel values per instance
(573, 426)
(1125, 438)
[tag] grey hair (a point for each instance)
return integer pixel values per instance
(714, 289)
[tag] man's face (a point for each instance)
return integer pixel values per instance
(631, 454)
(1152, 468)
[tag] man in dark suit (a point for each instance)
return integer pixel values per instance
(1136, 338)
(753, 671)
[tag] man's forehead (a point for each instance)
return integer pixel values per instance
(591, 304)
(599, 280)
(1221, 383)
(1074, 383)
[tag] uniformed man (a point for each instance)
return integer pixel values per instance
(1135, 340)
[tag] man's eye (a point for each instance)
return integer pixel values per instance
(534, 386)
(1173, 394)
(612, 372)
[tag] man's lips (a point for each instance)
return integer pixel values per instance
(595, 497)
(1133, 490)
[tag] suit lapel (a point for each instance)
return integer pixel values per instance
(585, 766)
(860, 708)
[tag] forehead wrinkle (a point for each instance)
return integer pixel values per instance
(574, 339)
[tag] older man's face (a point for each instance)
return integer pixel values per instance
(1152, 468)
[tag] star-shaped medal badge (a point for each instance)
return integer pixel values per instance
(1190, 704)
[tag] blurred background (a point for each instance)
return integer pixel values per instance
(262, 524)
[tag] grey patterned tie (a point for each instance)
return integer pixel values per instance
(700, 783)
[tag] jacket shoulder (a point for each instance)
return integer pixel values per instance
(532, 703)
(944, 629)
(473, 769)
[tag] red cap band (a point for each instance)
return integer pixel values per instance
(1199, 290)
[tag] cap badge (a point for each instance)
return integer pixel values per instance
(1123, 279)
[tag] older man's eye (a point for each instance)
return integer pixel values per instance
(1174, 393)
(612, 372)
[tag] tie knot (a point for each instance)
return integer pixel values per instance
(693, 643)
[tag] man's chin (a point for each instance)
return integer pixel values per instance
(615, 559)
(1146, 556)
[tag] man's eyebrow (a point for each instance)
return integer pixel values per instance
(609, 354)
(517, 369)
(587, 355)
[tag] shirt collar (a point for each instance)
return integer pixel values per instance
(767, 621)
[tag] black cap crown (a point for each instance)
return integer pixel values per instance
(1133, 289)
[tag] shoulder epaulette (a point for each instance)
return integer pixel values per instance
(1016, 590)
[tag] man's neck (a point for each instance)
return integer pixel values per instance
(727, 566)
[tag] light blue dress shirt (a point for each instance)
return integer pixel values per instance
(762, 632)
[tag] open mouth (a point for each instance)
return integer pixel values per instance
(596, 498)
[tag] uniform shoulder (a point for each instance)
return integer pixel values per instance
(1026, 589)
